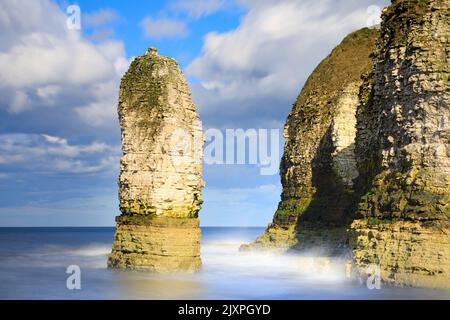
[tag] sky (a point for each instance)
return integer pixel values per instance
(245, 61)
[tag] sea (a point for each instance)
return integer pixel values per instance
(34, 263)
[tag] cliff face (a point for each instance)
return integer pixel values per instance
(378, 184)
(160, 179)
(403, 149)
(318, 166)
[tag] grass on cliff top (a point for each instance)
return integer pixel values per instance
(407, 9)
(345, 65)
(398, 18)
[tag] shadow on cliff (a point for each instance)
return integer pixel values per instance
(323, 224)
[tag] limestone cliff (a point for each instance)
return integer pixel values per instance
(160, 178)
(318, 166)
(377, 183)
(403, 149)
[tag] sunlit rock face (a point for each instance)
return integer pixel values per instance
(403, 149)
(160, 178)
(319, 165)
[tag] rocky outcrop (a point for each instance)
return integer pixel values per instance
(319, 165)
(159, 244)
(407, 252)
(378, 184)
(403, 149)
(160, 179)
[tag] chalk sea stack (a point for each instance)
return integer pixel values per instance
(366, 165)
(403, 149)
(318, 165)
(160, 173)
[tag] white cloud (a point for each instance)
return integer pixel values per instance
(35, 59)
(159, 28)
(255, 71)
(25, 17)
(3, 175)
(61, 147)
(198, 8)
(10, 159)
(50, 154)
(99, 18)
(43, 64)
(78, 166)
(19, 101)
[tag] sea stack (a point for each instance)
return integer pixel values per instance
(160, 171)
(366, 165)
(319, 165)
(403, 149)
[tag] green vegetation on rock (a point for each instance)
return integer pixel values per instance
(318, 164)
(160, 181)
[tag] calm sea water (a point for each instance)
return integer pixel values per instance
(33, 264)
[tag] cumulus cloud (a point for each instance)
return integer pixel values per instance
(98, 24)
(51, 154)
(101, 17)
(198, 8)
(57, 81)
(159, 28)
(44, 64)
(166, 26)
(250, 76)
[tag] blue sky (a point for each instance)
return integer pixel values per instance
(126, 19)
(245, 60)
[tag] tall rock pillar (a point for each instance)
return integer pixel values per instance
(318, 164)
(403, 149)
(160, 174)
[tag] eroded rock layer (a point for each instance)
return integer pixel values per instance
(160, 178)
(408, 253)
(159, 244)
(403, 148)
(318, 166)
